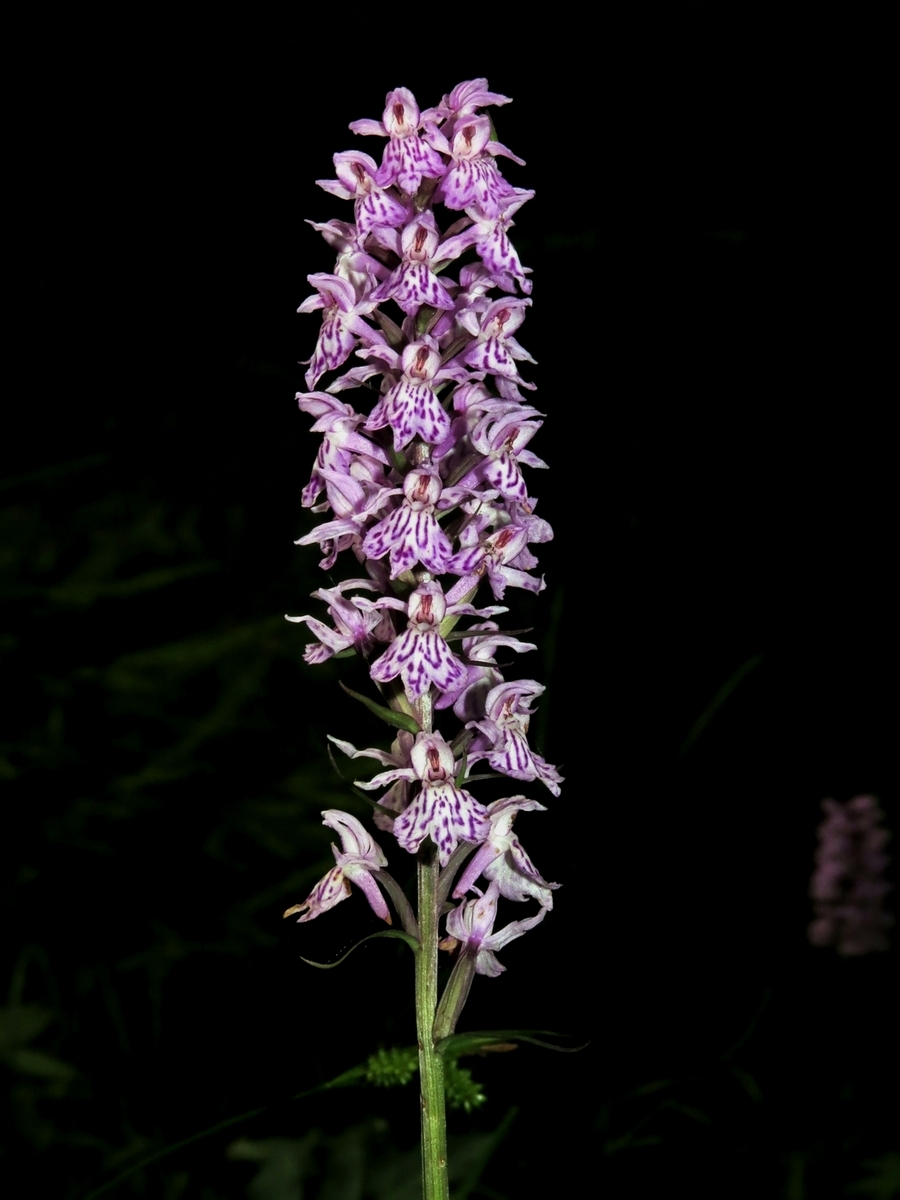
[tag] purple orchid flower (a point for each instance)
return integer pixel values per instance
(414, 283)
(411, 533)
(442, 810)
(355, 863)
(848, 886)
(420, 655)
(482, 672)
(473, 178)
(358, 623)
(490, 237)
(471, 925)
(407, 158)
(501, 858)
(504, 728)
(411, 407)
(374, 208)
(495, 349)
(342, 323)
(465, 99)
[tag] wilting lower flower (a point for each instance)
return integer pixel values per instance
(357, 860)
(357, 623)
(472, 926)
(501, 859)
(848, 885)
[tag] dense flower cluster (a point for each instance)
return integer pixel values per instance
(422, 480)
(848, 886)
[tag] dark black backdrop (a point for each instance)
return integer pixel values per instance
(716, 430)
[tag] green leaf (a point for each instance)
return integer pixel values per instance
(718, 700)
(399, 720)
(387, 933)
(499, 1040)
(82, 593)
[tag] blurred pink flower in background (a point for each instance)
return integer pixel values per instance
(848, 886)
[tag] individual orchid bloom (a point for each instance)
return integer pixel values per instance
(493, 556)
(454, 452)
(398, 761)
(481, 669)
(411, 533)
(495, 349)
(446, 813)
(359, 857)
(354, 263)
(398, 758)
(465, 99)
(471, 295)
(501, 858)
(344, 453)
(471, 925)
(358, 624)
(411, 407)
(374, 208)
(442, 810)
(502, 436)
(414, 283)
(507, 559)
(407, 159)
(342, 323)
(472, 178)
(346, 532)
(504, 729)
(420, 655)
(490, 237)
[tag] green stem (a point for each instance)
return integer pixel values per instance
(435, 1184)
(435, 1181)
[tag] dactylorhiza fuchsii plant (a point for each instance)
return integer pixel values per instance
(848, 886)
(419, 479)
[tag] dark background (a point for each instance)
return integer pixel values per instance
(709, 366)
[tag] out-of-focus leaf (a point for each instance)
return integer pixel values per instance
(883, 1179)
(470, 1155)
(19, 1025)
(719, 700)
(140, 671)
(81, 593)
(748, 1083)
(286, 1163)
(35, 1062)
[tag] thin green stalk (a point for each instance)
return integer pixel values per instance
(435, 1184)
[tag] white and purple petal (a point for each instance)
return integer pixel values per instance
(445, 813)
